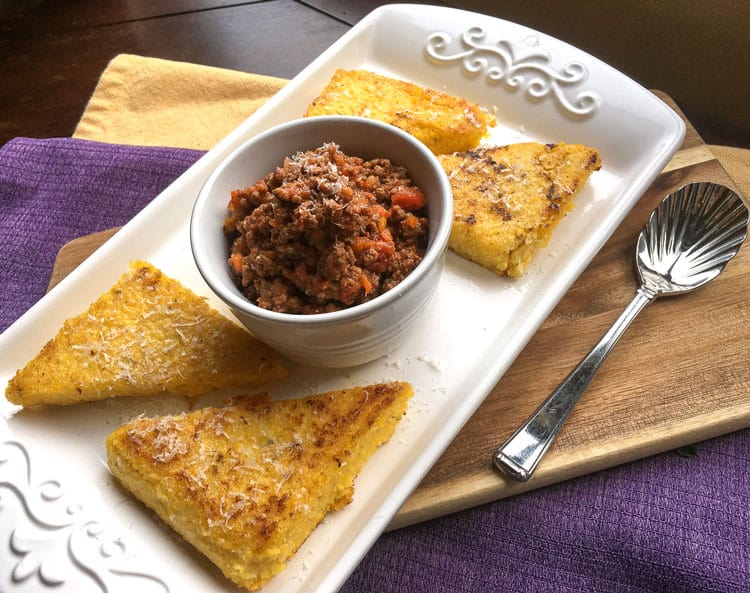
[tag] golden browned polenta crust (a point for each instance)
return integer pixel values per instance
(508, 199)
(147, 335)
(246, 484)
(441, 121)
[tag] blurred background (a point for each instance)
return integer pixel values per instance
(53, 51)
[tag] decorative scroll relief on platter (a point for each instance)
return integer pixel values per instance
(525, 66)
(49, 542)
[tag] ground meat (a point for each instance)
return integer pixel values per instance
(325, 231)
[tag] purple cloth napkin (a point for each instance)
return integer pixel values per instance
(52, 191)
(669, 523)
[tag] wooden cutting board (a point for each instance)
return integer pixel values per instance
(678, 376)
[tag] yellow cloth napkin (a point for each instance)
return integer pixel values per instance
(155, 102)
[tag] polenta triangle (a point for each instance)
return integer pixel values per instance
(246, 484)
(508, 199)
(443, 122)
(147, 335)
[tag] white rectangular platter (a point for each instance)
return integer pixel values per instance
(65, 524)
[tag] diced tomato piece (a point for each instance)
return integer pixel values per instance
(235, 260)
(383, 250)
(381, 215)
(411, 221)
(409, 198)
(235, 200)
(386, 235)
(360, 245)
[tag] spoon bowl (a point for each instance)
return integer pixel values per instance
(686, 243)
(690, 237)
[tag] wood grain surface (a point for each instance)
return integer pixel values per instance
(679, 375)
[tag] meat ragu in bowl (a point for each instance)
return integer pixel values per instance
(325, 236)
(325, 231)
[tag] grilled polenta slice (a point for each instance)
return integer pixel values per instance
(441, 121)
(148, 334)
(508, 199)
(246, 484)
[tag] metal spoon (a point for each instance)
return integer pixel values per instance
(686, 243)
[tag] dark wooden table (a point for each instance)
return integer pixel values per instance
(53, 51)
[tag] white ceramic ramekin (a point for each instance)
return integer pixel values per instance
(360, 333)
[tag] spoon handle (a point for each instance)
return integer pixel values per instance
(523, 451)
